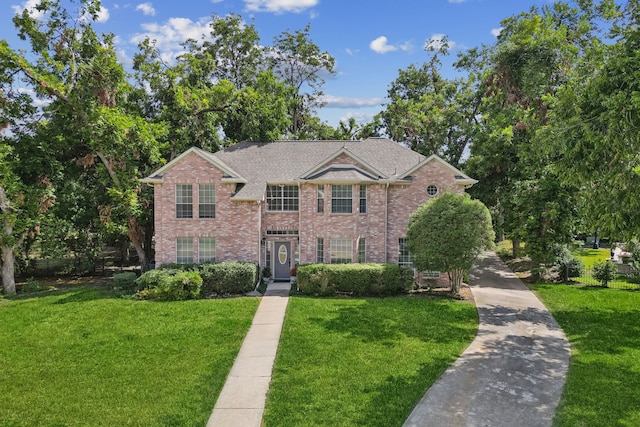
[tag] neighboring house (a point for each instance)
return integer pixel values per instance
(288, 202)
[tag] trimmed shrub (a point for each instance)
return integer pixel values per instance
(169, 285)
(228, 278)
(354, 279)
(604, 272)
(125, 281)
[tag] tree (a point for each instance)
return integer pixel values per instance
(433, 114)
(89, 115)
(448, 233)
(300, 64)
(518, 79)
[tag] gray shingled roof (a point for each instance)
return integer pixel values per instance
(287, 161)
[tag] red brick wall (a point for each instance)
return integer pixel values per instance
(240, 226)
(235, 226)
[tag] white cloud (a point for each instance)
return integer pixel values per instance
(437, 41)
(29, 5)
(361, 118)
(146, 9)
(170, 34)
(103, 15)
(279, 6)
(216, 1)
(343, 102)
(380, 45)
(496, 31)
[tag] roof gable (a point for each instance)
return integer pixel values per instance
(229, 174)
(324, 167)
(461, 177)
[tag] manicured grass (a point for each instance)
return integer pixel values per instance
(363, 362)
(591, 256)
(86, 358)
(603, 326)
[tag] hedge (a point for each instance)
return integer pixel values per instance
(222, 278)
(169, 285)
(354, 279)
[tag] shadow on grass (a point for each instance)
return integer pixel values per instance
(395, 398)
(375, 321)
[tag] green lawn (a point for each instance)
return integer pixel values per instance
(363, 362)
(85, 357)
(591, 256)
(603, 326)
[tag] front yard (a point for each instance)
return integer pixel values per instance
(84, 357)
(603, 327)
(363, 362)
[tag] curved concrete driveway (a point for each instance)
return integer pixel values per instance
(512, 374)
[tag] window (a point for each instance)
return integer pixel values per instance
(282, 198)
(341, 251)
(341, 199)
(404, 257)
(184, 250)
(319, 250)
(282, 232)
(362, 250)
(432, 190)
(184, 201)
(206, 249)
(363, 198)
(206, 201)
(320, 198)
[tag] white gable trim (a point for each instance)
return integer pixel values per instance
(321, 165)
(463, 180)
(230, 175)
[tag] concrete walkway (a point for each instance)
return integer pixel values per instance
(241, 401)
(512, 374)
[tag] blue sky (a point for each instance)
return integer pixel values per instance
(369, 39)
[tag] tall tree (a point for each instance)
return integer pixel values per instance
(76, 70)
(302, 66)
(518, 76)
(433, 114)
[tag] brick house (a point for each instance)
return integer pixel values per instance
(288, 202)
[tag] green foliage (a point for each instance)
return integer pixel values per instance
(566, 264)
(448, 233)
(354, 279)
(169, 285)
(224, 278)
(604, 272)
(125, 281)
(228, 277)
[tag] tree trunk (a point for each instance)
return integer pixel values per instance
(455, 277)
(136, 235)
(515, 246)
(8, 270)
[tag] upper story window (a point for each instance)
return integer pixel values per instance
(363, 198)
(432, 190)
(282, 198)
(206, 201)
(320, 197)
(184, 201)
(341, 196)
